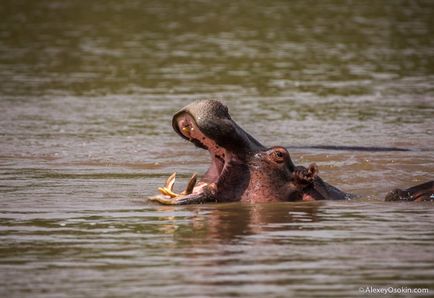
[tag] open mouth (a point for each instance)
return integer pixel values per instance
(185, 125)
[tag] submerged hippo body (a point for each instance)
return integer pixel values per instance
(242, 169)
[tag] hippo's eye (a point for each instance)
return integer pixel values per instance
(279, 156)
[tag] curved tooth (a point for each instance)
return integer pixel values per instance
(170, 182)
(190, 186)
(167, 189)
(167, 192)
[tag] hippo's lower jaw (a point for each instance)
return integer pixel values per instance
(191, 195)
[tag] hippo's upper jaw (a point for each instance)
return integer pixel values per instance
(241, 168)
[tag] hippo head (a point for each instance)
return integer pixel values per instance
(241, 168)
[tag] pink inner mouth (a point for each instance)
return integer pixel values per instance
(220, 157)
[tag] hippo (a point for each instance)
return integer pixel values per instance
(242, 169)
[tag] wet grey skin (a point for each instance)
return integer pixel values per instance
(242, 169)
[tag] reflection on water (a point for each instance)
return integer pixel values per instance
(219, 250)
(87, 90)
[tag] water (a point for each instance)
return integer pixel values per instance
(87, 91)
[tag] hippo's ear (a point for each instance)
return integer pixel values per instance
(312, 170)
(305, 176)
